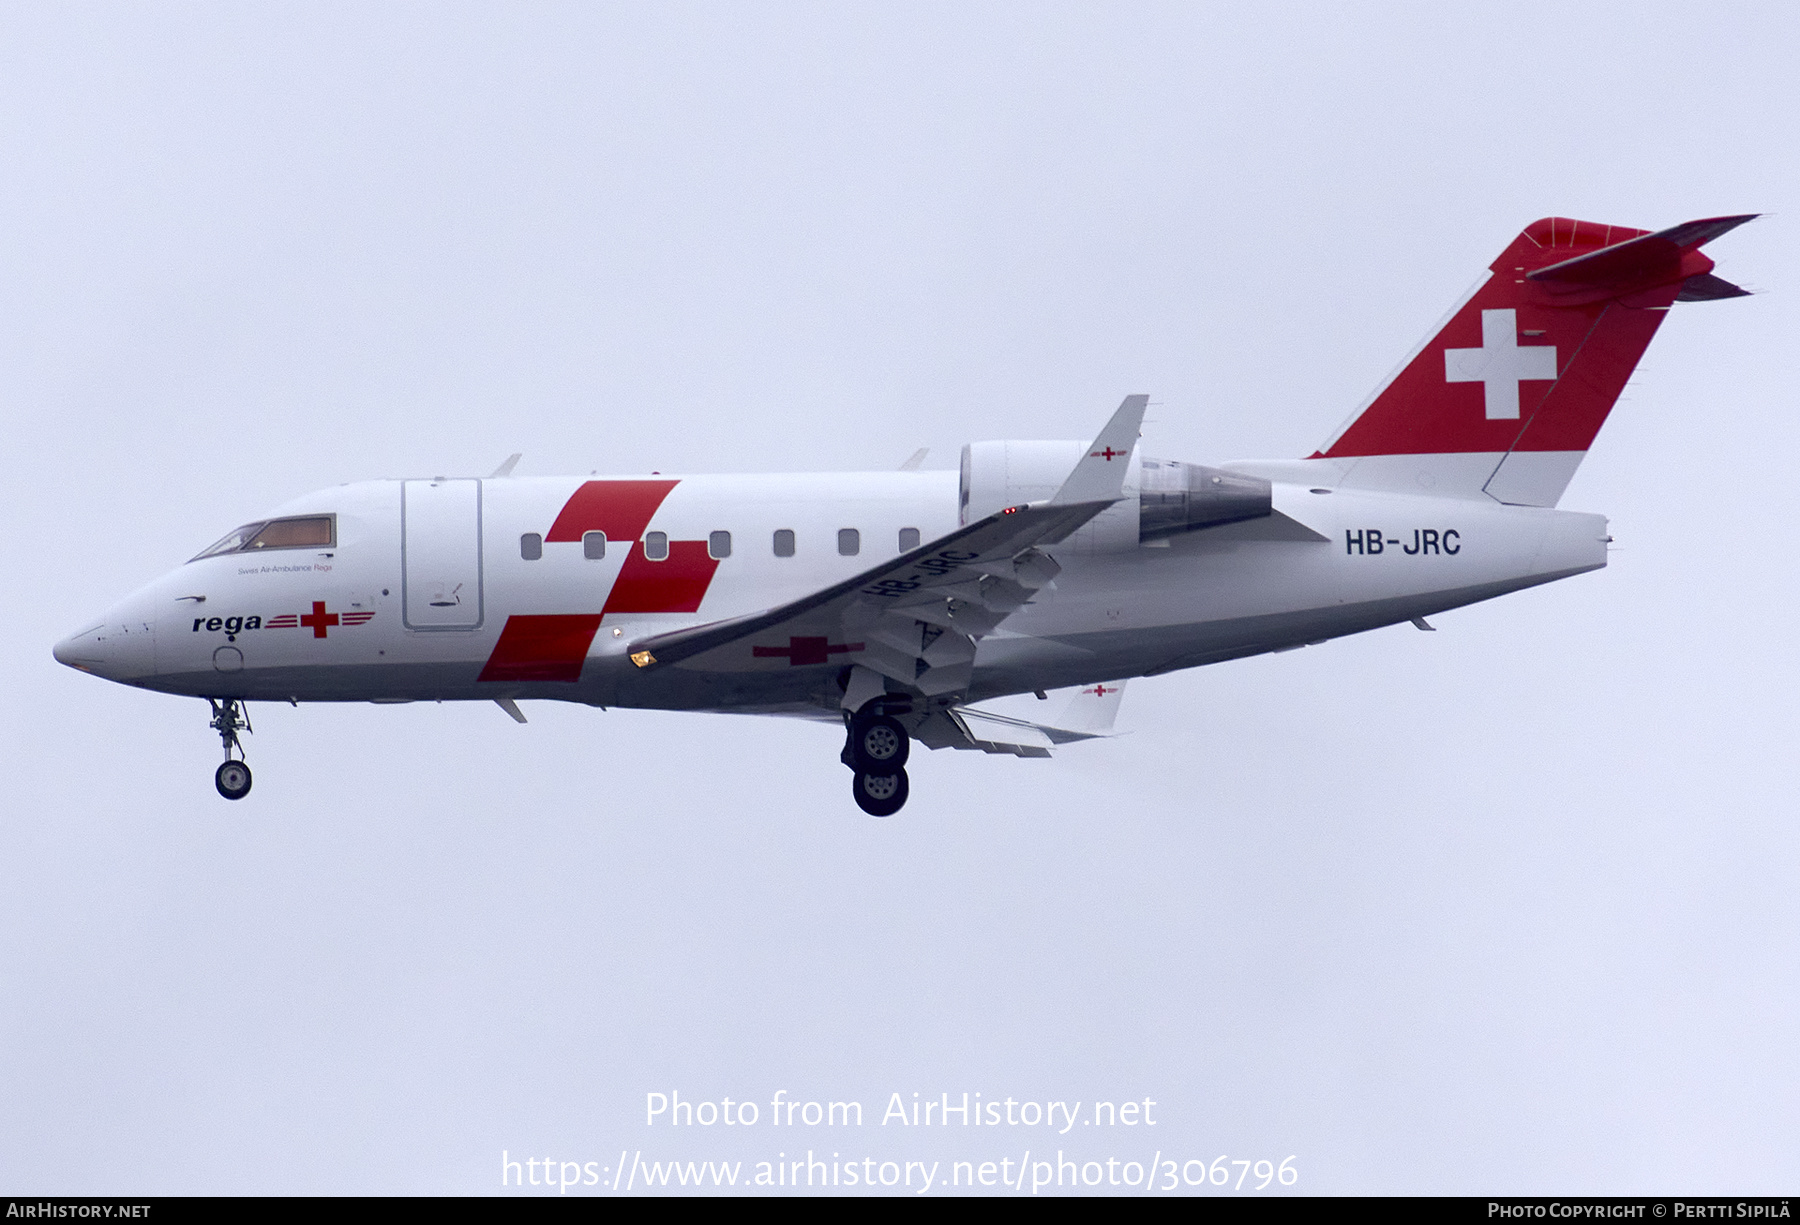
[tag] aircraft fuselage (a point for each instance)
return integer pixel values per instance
(412, 597)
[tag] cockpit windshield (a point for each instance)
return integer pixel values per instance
(300, 532)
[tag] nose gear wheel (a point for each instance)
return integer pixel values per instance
(229, 718)
(233, 780)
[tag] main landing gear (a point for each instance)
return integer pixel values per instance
(876, 751)
(229, 717)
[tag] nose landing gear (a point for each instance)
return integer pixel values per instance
(229, 716)
(877, 750)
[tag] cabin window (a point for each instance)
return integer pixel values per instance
(593, 545)
(909, 539)
(656, 546)
(849, 542)
(784, 542)
(531, 546)
(718, 545)
(300, 532)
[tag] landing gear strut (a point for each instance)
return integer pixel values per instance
(229, 717)
(876, 751)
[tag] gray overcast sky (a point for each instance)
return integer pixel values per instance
(1505, 908)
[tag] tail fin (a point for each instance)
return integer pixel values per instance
(1506, 398)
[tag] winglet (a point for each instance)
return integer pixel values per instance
(1099, 476)
(506, 468)
(1089, 713)
(915, 459)
(510, 707)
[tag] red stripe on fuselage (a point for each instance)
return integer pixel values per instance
(541, 648)
(676, 585)
(554, 647)
(621, 509)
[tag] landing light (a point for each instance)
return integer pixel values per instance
(642, 659)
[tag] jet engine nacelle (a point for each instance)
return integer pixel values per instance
(1163, 497)
(996, 475)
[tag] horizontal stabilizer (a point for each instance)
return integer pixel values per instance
(1705, 287)
(1636, 259)
(1699, 233)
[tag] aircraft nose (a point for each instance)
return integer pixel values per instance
(120, 646)
(85, 650)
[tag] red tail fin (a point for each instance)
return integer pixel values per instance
(1518, 382)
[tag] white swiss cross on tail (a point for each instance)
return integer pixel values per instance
(1500, 364)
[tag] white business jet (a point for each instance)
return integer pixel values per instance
(905, 604)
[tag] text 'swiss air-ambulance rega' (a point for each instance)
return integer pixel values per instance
(898, 602)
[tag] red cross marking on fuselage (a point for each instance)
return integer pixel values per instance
(802, 651)
(318, 619)
(1099, 691)
(1108, 455)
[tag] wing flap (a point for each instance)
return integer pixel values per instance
(996, 735)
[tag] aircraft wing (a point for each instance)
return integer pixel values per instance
(914, 620)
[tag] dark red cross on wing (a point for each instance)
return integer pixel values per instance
(1108, 455)
(802, 651)
(318, 619)
(1099, 691)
